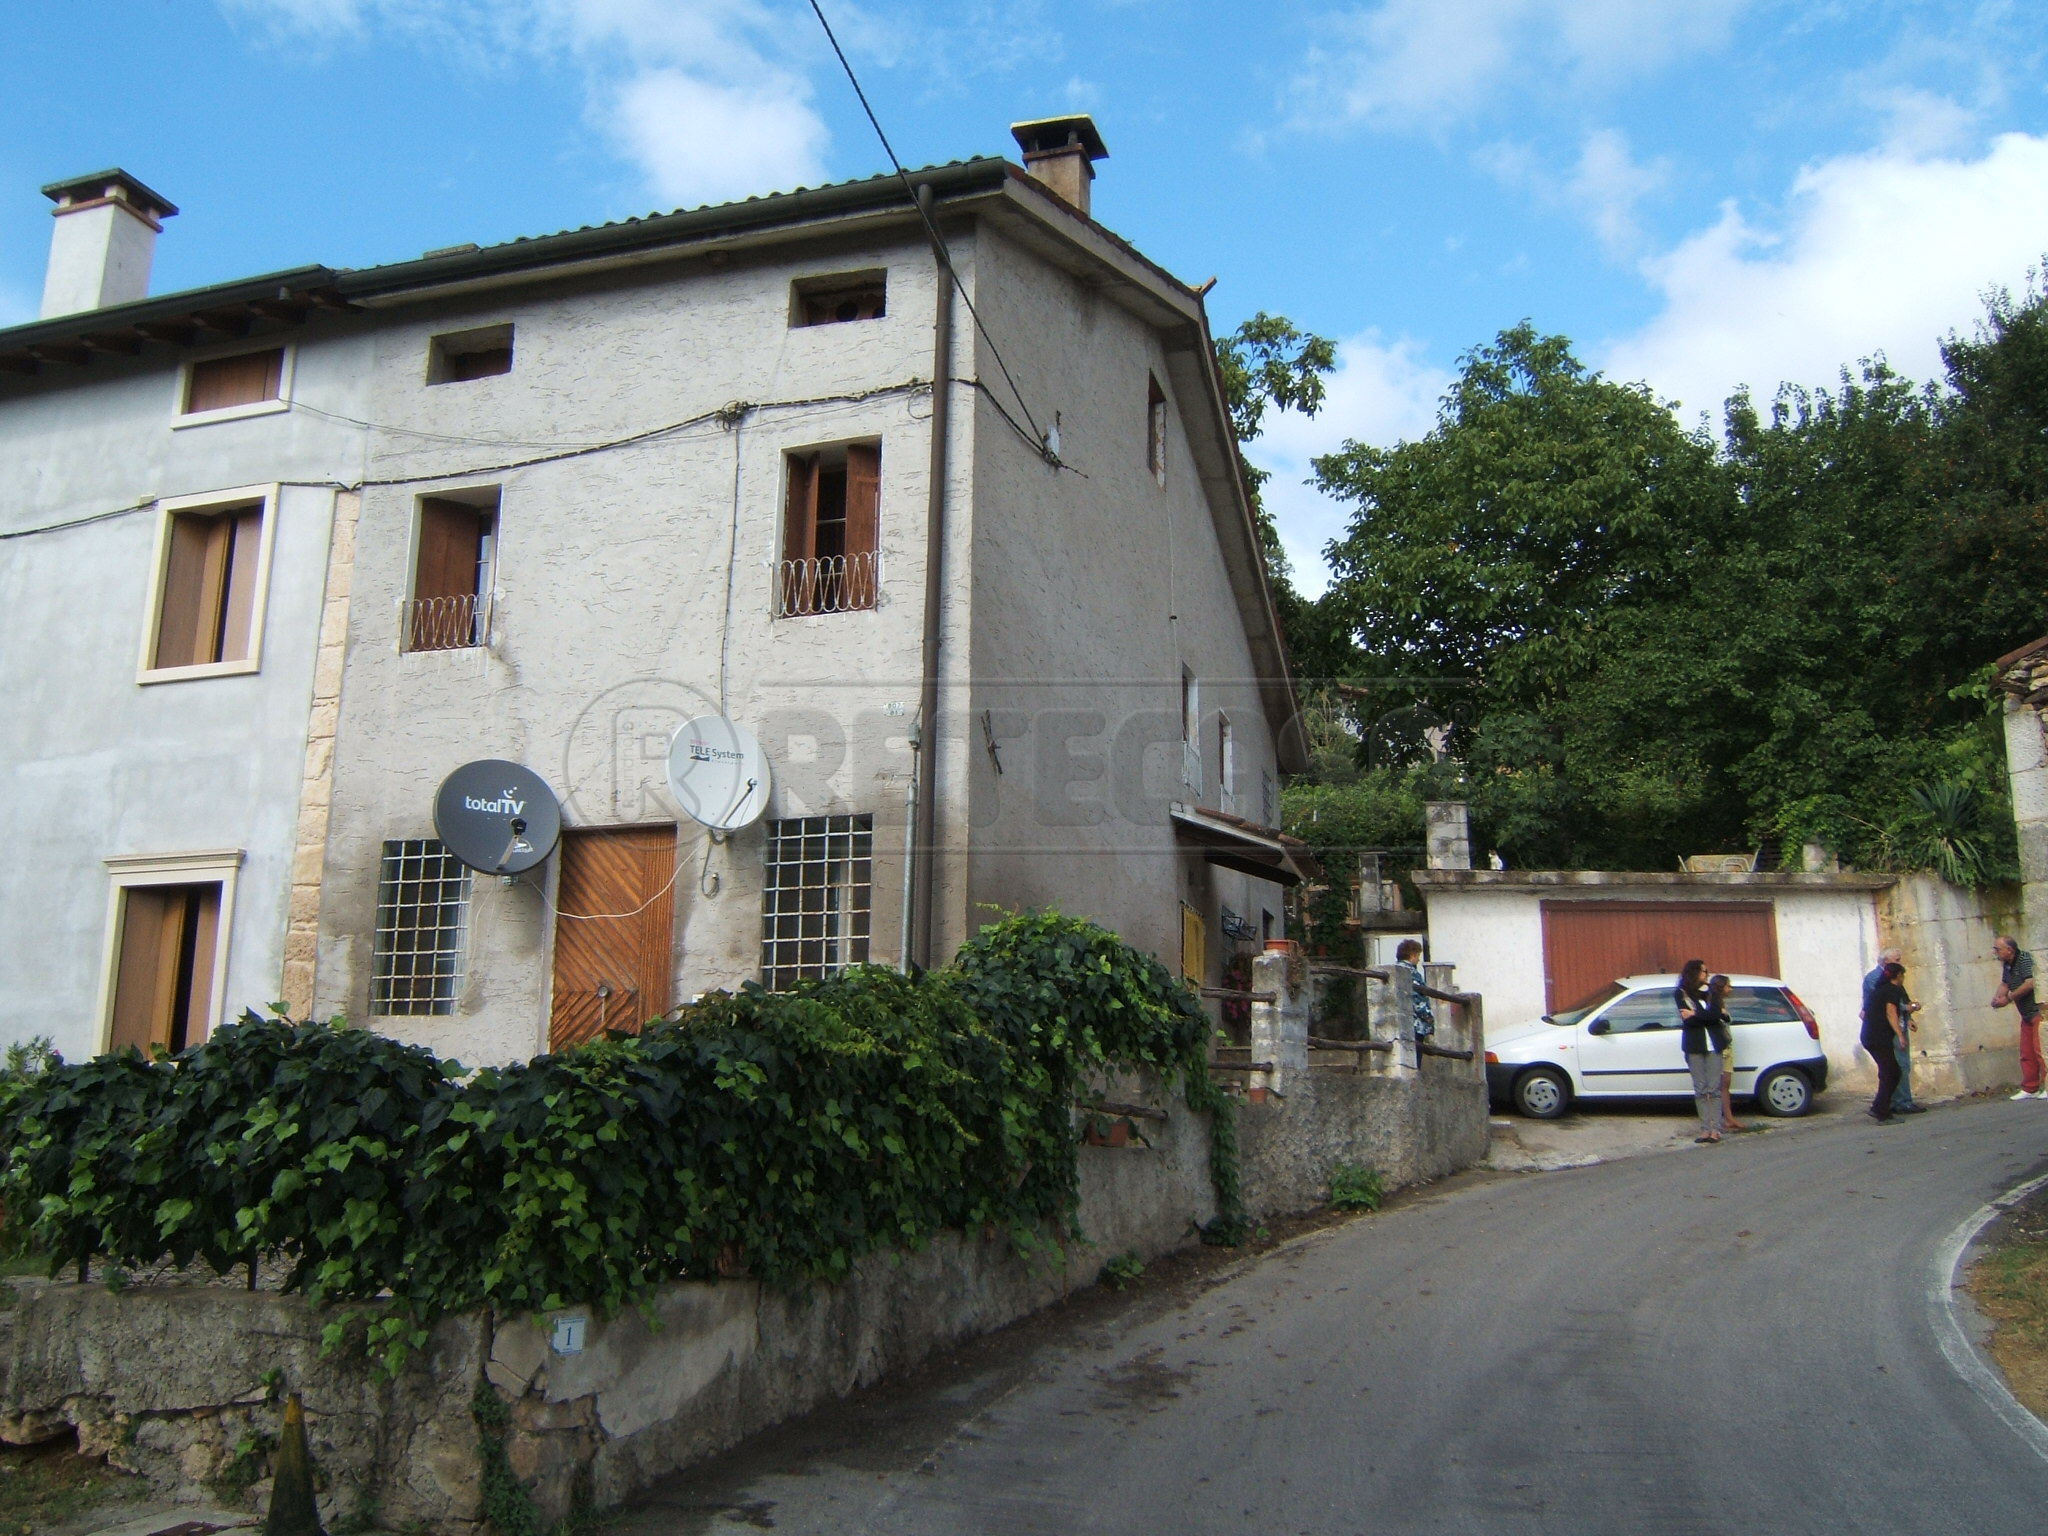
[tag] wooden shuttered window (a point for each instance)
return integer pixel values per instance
(211, 568)
(831, 531)
(451, 575)
(221, 382)
(163, 981)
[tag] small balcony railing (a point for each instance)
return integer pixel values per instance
(451, 623)
(829, 584)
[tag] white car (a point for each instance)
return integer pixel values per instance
(1625, 1045)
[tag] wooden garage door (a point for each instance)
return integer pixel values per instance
(1587, 944)
(613, 932)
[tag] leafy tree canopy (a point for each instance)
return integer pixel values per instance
(1639, 641)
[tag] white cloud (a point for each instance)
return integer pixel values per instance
(705, 97)
(700, 142)
(1423, 64)
(1881, 252)
(1603, 186)
(1380, 393)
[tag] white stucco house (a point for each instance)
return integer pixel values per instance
(956, 528)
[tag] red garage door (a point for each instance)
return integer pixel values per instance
(1587, 944)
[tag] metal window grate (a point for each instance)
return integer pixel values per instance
(815, 908)
(828, 584)
(422, 909)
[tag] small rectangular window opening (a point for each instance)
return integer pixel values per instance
(816, 905)
(206, 611)
(839, 298)
(1155, 429)
(422, 909)
(454, 572)
(461, 356)
(221, 383)
(831, 531)
(163, 982)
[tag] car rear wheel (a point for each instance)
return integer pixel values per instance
(1543, 1093)
(1784, 1092)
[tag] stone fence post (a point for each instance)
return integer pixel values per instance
(1460, 1026)
(1279, 1031)
(1392, 1011)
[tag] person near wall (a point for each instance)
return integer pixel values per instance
(2016, 986)
(1408, 956)
(1902, 1101)
(1884, 1032)
(1704, 1036)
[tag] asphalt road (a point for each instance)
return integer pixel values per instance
(1721, 1340)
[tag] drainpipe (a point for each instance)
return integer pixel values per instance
(927, 817)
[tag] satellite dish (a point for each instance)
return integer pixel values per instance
(497, 816)
(718, 773)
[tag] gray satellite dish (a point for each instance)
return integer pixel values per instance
(497, 816)
(718, 773)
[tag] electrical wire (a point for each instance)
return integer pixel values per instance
(931, 230)
(724, 416)
(603, 917)
(440, 437)
(81, 522)
(732, 549)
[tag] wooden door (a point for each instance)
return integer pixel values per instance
(1587, 944)
(614, 932)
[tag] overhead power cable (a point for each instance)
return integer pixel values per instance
(939, 247)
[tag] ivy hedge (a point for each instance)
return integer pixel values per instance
(778, 1135)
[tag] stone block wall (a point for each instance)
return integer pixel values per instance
(182, 1383)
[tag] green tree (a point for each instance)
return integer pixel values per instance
(1650, 643)
(1268, 363)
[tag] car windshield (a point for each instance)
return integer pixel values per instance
(1607, 995)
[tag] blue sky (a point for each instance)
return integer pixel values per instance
(1702, 193)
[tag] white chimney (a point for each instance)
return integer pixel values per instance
(100, 248)
(1061, 151)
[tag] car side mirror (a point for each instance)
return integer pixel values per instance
(1597, 1027)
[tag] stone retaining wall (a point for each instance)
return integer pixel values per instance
(183, 1383)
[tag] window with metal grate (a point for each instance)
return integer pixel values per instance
(816, 903)
(422, 912)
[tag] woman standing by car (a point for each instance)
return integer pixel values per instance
(1704, 1038)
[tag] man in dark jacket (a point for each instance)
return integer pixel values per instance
(1902, 1099)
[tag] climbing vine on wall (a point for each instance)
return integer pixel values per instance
(779, 1135)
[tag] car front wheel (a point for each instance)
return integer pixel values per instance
(1784, 1092)
(1543, 1093)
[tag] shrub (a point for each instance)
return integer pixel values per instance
(1354, 1187)
(780, 1135)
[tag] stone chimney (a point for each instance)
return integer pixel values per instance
(1448, 834)
(101, 246)
(1061, 152)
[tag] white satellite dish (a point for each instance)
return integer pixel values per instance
(718, 773)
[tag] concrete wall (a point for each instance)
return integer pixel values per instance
(168, 1379)
(1490, 925)
(1409, 1112)
(1961, 1043)
(99, 765)
(1093, 587)
(2026, 756)
(1495, 939)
